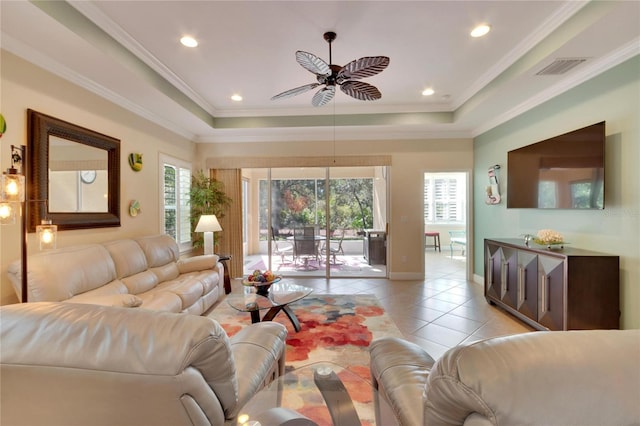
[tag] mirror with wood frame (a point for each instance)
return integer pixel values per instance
(73, 175)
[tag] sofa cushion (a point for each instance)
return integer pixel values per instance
(156, 300)
(204, 303)
(140, 283)
(117, 300)
(166, 272)
(159, 250)
(188, 290)
(207, 279)
(60, 274)
(127, 256)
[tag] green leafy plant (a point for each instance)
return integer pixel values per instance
(206, 196)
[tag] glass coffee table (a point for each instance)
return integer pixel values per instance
(318, 394)
(274, 299)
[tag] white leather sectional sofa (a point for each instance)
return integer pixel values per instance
(141, 272)
(74, 364)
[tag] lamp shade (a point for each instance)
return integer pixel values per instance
(208, 223)
(7, 213)
(47, 235)
(12, 187)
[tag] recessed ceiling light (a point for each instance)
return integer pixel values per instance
(480, 30)
(428, 92)
(236, 98)
(189, 41)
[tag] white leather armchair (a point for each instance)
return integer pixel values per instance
(76, 364)
(558, 378)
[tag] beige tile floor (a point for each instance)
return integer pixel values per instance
(437, 313)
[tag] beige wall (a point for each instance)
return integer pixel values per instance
(25, 86)
(410, 159)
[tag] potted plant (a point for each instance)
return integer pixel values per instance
(206, 196)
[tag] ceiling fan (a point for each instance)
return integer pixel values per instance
(346, 77)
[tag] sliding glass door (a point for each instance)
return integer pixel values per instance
(314, 221)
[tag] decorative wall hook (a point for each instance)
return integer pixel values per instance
(493, 191)
(135, 161)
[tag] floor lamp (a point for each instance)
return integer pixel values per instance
(208, 224)
(13, 203)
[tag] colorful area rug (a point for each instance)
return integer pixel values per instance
(334, 328)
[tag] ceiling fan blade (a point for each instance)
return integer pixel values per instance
(293, 92)
(312, 63)
(323, 96)
(364, 67)
(361, 90)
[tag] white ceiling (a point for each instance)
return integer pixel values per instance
(129, 52)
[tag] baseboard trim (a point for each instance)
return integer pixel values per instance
(478, 279)
(406, 276)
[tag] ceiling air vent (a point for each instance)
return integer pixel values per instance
(561, 66)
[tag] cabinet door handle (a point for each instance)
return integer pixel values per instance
(521, 285)
(543, 294)
(504, 273)
(490, 271)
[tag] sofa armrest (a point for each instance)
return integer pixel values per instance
(197, 263)
(259, 353)
(399, 370)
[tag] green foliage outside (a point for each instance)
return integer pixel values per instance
(170, 200)
(206, 196)
(298, 202)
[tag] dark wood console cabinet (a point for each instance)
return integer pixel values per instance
(568, 289)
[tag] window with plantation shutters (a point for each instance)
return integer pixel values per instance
(444, 198)
(176, 211)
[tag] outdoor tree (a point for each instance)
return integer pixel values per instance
(353, 199)
(296, 202)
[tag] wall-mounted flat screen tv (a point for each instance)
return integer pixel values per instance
(563, 172)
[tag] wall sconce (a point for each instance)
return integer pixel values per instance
(13, 187)
(47, 235)
(208, 224)
(7, 214)
(12, 198)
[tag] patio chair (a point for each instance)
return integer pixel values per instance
(334, 247)
(305, 244)
(281, 248)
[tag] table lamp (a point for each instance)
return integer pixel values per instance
(208, 224)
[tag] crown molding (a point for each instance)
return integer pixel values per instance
(106, 24)
(581, 75)
(49, 64)
(563, 14)
(323, 134)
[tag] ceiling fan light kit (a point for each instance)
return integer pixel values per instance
(330, 75)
